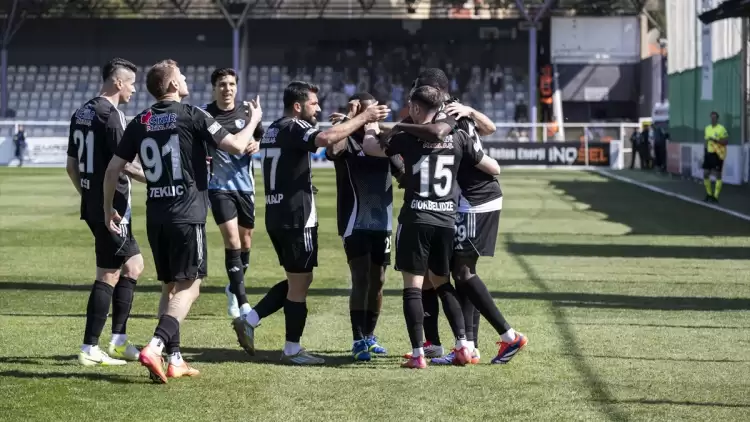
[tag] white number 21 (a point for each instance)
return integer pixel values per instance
(85, 143)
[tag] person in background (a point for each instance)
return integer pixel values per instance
(714, 154)
(644, 147)
(20, 142)
(635, 140)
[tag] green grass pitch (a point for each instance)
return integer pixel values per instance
(636, 307)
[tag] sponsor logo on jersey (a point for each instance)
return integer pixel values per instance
(215, 127)
(240, 123)
(270, 136)
(157, 122)
(85, 115)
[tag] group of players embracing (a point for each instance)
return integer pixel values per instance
(192, 157)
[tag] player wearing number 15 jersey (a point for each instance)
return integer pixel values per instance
(171, 139)
(477, 221)
(291, 218)
(95, 129)
(424, 239)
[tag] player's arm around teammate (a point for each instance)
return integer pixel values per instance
(171, 138)
(364, 203)
(291, 217)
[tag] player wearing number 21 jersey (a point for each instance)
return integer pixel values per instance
(95, 130)
(424, 239)
(171, 140)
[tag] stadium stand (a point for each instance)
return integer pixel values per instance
(53, 92)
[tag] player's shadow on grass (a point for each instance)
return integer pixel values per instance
(628, 251)
(655, 359)
(677, 403)
(650, 213)
(639, 324)
(89, 376)
(562, 299)
(55, 360)
(267, 357)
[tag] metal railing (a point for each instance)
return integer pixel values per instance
(506, 131)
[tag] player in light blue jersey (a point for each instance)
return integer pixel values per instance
(231, 190)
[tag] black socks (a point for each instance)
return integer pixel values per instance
(236, 274)
(122, 302)
(96, 311)
(414, 315)
(295, 317)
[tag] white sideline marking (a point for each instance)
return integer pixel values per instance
(653, 188)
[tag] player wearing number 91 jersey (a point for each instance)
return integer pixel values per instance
(171, 139)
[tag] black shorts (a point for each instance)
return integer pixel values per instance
(363, 242)
(712, 161)
(179, 251)
(226, 205)
(112, 250)
(297, 249)
(476, 233)
(420, 247)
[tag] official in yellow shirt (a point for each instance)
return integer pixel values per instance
(717, 138)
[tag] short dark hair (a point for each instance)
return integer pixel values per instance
(433, 77)
(362, 96)
(428, 97)
(158, 76)
(715, 113)
(298, 92)
(220, 73)
(113, 65)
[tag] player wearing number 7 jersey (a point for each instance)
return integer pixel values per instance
(291, 219)
(171, 139)
(424, 238)
(95, 129)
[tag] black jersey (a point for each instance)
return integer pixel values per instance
(171, 140)
(230, 172)
(285, 153)
(430, 193)
(364, 189)
(477, 187)
(95, 130)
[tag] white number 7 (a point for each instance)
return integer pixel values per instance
(273, 154)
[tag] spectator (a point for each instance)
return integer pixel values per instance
(635, 139)
(20, 142)
(496, 80)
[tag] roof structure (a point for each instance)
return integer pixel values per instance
(218, 9)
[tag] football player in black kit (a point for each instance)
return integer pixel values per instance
(95, 130)
(424, 240)
(231, 192)
(171, 139)
(477, 224)
(291, 217)
(364, 199)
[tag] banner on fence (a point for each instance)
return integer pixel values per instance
(549, 154)
(52, 152)
(674, 158)
(40, 151)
